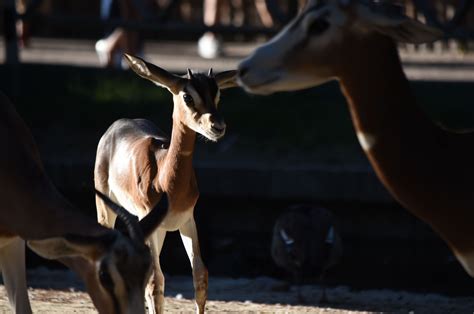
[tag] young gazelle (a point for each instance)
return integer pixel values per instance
(114, 266)
(426, 168)
(136, 163)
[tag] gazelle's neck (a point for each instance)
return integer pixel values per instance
(177, 170)
(424, 167)
(391, 128)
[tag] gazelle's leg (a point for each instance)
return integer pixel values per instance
(155, 289)
(263, 12)
(191, 243)
(12, 263)
(211, 12)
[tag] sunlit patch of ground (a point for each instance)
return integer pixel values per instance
(260, 295)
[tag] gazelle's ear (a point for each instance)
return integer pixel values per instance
(88, 247)
(154, 73)
(226, 79)
(389, 20)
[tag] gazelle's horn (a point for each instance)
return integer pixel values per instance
(130, 221)
(190, 74)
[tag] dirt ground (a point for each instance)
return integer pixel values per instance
(62, 292)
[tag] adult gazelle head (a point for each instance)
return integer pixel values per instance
(195, 95)
(327, 36)
(118, 265)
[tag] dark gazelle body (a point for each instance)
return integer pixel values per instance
(33, 210)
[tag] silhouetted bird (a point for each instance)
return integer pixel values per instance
(306, 243)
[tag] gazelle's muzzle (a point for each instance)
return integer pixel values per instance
(136, 303)
(258, 71)
(213, 126)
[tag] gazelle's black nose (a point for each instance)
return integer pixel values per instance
(218, 127)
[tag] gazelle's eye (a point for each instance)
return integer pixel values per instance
(318, 26)
(105, 278)
(188, 99)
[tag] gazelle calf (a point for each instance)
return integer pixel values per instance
(136, 163)
(115, 266)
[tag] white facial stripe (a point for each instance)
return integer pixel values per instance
(119, 288)
(191, 91)
(313, 16)
(298, 32)
(366, 140)
(285, 38)
(160, 85)
(218, 97)
(112, 271)
(333, 15)
(191, 117)
(331, 12)
(285, 237)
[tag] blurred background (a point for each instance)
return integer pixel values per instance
(61, 66)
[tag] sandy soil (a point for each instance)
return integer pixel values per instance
(62, 292)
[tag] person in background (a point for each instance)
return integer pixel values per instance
(210, 45)
(119, 40)
(23, 27)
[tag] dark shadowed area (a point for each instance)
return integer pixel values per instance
(279, 150)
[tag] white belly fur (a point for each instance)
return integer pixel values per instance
(174, 220)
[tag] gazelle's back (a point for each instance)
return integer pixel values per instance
(124, 135)
(126, 162)
(129, 130)
(25, 189)
(17, 141)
